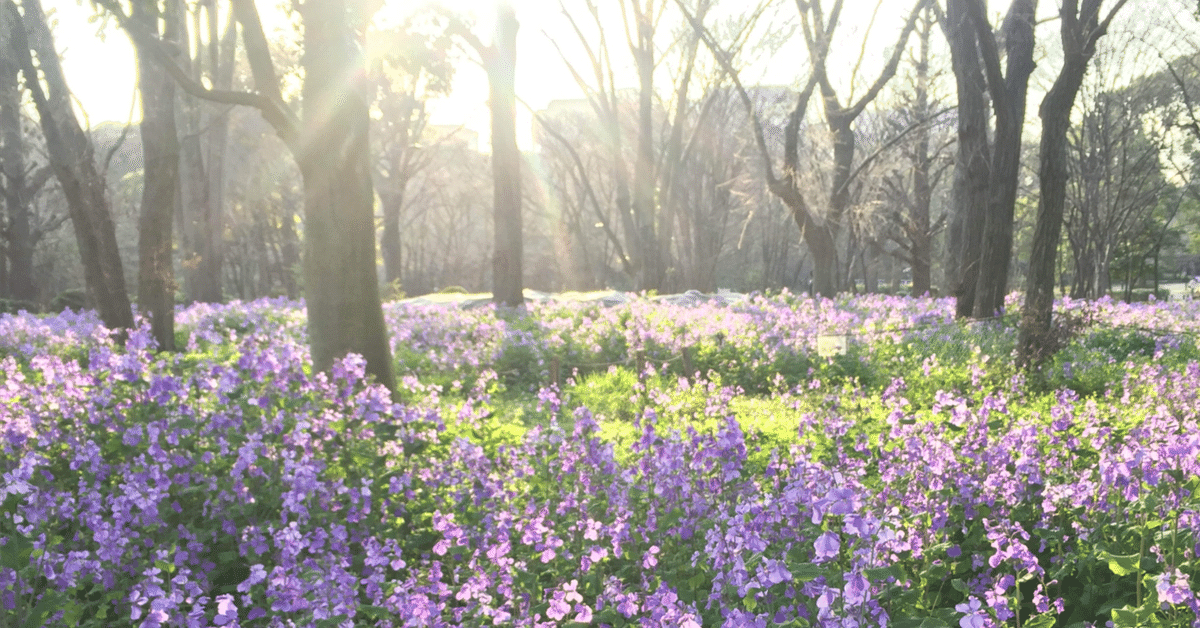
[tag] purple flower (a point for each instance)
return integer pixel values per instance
(257, 575)
(1173, 587)
(226, 610)
(776, 571)
(827, 546)
(974, 614)
(856, 590)
(650, 558)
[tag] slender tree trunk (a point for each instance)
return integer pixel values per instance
(160, 159)
(400, 171)
(340, 284)
(18, 245)
(291, 246)
(73, 159)
(1039, 292)
(997, 241)
(922, 236)
(644, 205)
(507, 270)
(390, 242)
(922, 251)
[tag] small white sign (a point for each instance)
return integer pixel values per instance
(829, 346)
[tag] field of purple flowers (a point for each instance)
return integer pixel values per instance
(637, 465)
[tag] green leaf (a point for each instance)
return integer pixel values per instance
(15, 554)
(1045, 620)
(960, 586)
(919, 622)
(374, 612)
(49, 603)
(1122, 565)
(803, 572)
(1124, 618)
(883, 573)
(749, 603)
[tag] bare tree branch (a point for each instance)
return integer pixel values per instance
(281, 118)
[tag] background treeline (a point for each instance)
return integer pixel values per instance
(913, 166)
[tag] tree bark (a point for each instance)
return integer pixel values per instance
(73, 159)
(18, 245)
(507, 269)
(971, 167)
(1081, 29)
(160, 181)
(333, 152)
(1008, 98)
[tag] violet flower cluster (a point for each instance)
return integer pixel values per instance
(904, 484)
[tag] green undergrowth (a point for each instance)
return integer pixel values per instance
(960, 364)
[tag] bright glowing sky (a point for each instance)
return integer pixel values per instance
(101, 73)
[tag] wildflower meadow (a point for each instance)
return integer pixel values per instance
(641, 464)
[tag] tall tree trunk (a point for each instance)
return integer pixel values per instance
(1080, 32)
(971, 166)
(390, 246)
(1056, 120)
(203, 169)
(1009, 96)
(921, 262)
(645, 208)
(507, 269)
(822, 244)
(402, 165)
(73, 158)
(340, 284)
(922, 245)
(18, 247)
(160, 159)
(291, 246)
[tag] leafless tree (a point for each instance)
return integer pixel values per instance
(820, 224)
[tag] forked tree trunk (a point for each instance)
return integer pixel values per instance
(507, 269)
(340, 285)
(73, 158)
(160, 159)
(1081, 28)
